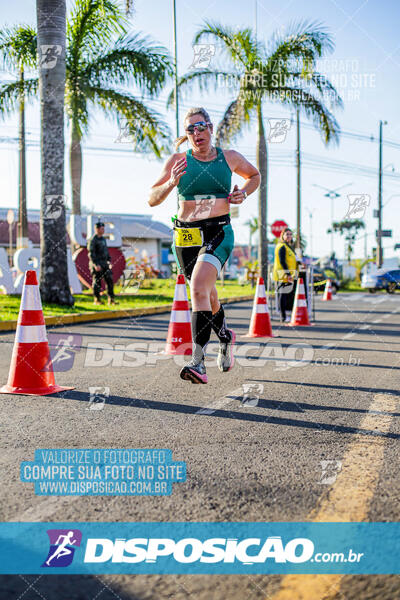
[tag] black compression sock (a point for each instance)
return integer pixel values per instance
(201, 331)
(219, 325)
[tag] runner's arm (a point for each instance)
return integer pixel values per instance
(240, 165)
(173, 170)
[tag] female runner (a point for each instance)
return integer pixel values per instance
(203, 235)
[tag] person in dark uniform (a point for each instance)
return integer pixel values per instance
(100, 264)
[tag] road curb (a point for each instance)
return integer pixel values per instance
(108, 315)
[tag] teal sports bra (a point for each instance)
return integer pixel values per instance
(203, 179)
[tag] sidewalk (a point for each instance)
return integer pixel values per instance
(107, 315)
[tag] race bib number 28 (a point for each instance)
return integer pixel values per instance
(188, 237)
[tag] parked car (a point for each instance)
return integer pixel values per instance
(322, 275)
(388, 280)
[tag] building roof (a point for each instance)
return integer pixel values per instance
(145, 230)
(133, 226)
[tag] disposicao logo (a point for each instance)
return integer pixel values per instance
(190, 550)
(62, 547)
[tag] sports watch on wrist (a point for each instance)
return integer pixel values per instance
(244, 194)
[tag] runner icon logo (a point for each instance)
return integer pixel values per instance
(62, 547)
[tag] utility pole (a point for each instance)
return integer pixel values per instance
(298, 162)
(379, 252)
(176, 86)
(176, 73)
(22, 227)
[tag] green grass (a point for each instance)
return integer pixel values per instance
(351, 286)
(152, 293)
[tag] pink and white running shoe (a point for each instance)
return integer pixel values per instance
(194, 372)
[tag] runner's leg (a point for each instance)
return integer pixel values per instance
(218, 317)
(202, 284)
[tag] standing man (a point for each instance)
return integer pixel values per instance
(100, 264)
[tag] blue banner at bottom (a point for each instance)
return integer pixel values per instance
(199, 548)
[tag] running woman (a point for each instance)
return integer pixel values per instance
(203, 235)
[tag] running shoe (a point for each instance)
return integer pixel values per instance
(225, 359)
(194, 372)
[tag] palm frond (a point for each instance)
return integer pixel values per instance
(240, 46)
(203, 78)
(314, 109)
(231, 125)
(10, 93)
(298, 48)
(147, 131)
(131, 58)
(324, 87)
(18, 47)
(91, 25)
(310, 35)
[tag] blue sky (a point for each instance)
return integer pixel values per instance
(365, 66)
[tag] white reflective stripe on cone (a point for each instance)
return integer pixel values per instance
(180, 316)
(180, 292)
(261, 292)
(30, 299)
(261, 308)
(30, 334)
(301, 303)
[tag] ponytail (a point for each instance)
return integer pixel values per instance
(180, 140)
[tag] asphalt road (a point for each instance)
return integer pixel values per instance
(253, 454)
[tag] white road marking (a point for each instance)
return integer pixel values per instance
(349, 498)
(220, 403)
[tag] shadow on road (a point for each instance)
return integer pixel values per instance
(146, 404)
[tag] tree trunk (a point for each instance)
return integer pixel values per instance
(51, 25)
(262, 165)
(22, 212)
(75, 154)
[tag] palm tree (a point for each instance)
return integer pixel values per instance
(17, 53)
(98, 66)
(285, 72)
(51, 25)
(252, 224)
(349, 229)
(100, 62)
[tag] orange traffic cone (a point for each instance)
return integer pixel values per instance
(328, 291)
(179, 338)
(300, 311)
(31, 370)
(260, 323)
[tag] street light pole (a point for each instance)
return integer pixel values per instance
(176, 72)
(176, 83)
(332, 195)
(379, 253)
(298, 161)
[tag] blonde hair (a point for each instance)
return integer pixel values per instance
(192, 111)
